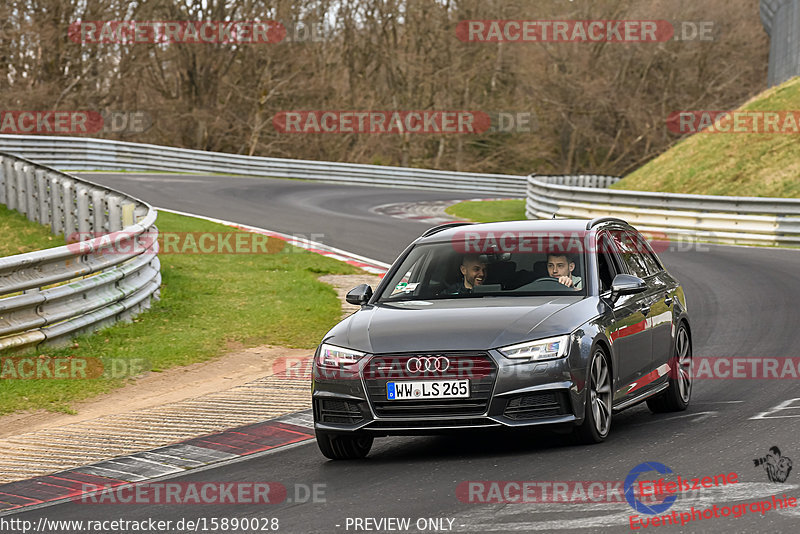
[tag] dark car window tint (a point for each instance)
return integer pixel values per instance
(631, 253)
(434, 270)
(646, 254)
(650, 254)
(606, 264)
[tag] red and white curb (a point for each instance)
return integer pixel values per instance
(157, 463)
(367, 264)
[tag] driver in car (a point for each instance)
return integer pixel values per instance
(560, 267)
(474, 272)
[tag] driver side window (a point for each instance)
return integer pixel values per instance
(606, 265)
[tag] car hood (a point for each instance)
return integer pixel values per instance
(457, 324)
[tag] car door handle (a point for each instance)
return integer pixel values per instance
(668, 301)
(645, 310)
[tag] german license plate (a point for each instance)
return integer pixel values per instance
(427, 389)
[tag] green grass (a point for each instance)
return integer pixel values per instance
(209, 303)
(489, 210)
(741, 164)
(20, 235)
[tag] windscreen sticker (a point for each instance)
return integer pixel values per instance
(404, 287)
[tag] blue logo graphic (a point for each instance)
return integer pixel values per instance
(390, 391)
(630, 486)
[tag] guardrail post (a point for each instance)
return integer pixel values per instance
(43, 196)
(82, 219)
(67, 197)
(99, 212)
(114, 213)
(56, 204)
(22, 190)
(3, 162)
(131, 214)
(13, 193)
(10, 172)
(31, 197)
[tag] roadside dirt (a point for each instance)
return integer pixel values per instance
(233, 369)
(155, 389)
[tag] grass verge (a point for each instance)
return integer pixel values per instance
(740, 164)
(489, 210)
(209, 303)
(21, 235)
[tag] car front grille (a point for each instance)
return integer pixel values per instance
(478, 368)
(339, 412)
(537, 406)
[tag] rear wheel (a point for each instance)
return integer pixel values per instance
(676, 397)
(597, 417)
(344, 446)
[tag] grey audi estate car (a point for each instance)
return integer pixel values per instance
(511, 324)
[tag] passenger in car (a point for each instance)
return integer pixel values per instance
(560, 266)
(473, 272)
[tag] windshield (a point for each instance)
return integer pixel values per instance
(448, 271)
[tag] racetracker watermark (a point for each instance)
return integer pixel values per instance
(734, 122)
(162, 31)
(70, 368)
(74, 122)
(210, 493)
(581, 491)
(128, 243)
(565, 31)
(307, 31)
(740, 367)
(383, 367)
(469, 241)
(539, 491)
(401, 122)
(382, 122)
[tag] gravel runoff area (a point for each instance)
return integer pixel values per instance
(241, 387)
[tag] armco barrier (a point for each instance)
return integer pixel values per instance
(102, 154)
(51, 295)
(737, 220)
(718, 219)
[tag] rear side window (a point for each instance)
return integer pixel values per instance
(632, 254)
(646, 254)
(652, 259)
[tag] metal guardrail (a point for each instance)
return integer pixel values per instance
(736, 220)
(79, 153)
(718, 219)
(51, 295)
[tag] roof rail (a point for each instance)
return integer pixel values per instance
(597, 220)
(438, 228)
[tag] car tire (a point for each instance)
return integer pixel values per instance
(344, 446)
(676, 397)
(597, 415)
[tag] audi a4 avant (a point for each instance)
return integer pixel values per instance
(512, 324)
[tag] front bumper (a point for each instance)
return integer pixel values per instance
(503, 393)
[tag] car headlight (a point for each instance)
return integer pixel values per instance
(541, 349)
(333, 356)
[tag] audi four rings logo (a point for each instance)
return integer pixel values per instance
(428, 363)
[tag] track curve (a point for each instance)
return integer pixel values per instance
(742, 302)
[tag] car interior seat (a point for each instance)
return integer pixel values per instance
(500, 272)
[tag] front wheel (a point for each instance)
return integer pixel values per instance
(676, 397)
(597, 417)
(344, 446)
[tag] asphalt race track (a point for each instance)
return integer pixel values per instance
(743, 302)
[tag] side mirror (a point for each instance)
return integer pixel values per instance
(626, 284)
(359, 295)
